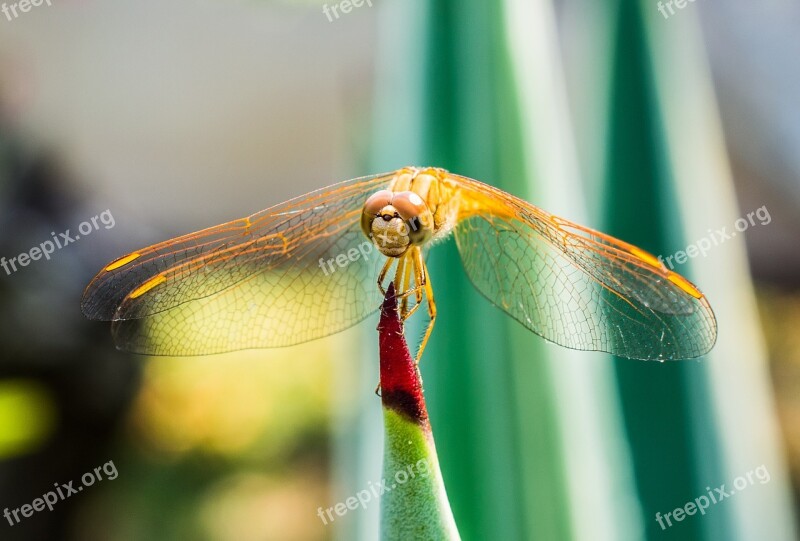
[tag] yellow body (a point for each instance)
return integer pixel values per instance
(411, 275)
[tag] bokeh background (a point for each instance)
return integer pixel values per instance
(655, 127)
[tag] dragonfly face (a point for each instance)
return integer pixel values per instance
(396, 220)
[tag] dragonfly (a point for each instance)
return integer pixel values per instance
(320, 263)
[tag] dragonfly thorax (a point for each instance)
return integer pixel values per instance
(396, 220)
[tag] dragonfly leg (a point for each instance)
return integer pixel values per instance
(399, 274)
(419, 282)
(384, 271)
(409, 263)
(405, 285)
(426, 282)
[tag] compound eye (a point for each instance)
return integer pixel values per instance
(408, 204)
(415, 214)
(377, 201)
(374, 204)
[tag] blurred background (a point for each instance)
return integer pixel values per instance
(659, 124)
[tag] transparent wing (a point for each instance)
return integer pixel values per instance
(292, 273)
(575, 286)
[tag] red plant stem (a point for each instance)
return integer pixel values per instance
(401, 386)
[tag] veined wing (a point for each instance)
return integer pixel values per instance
(575, 286)
(292, 273)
